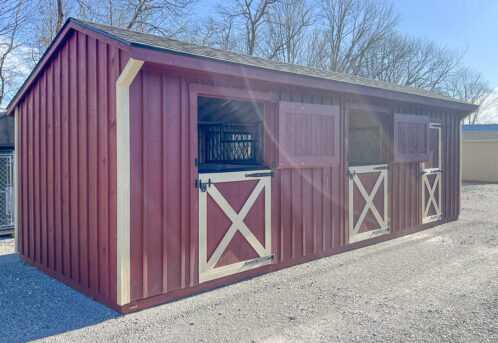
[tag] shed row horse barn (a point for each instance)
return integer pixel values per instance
(149, 169)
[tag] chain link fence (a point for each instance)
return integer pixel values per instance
(6, 191)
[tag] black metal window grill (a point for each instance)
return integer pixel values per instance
(230, 143)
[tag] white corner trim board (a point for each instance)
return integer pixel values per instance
(16, 169)
(123, 178)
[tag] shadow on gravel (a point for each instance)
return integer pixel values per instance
(33, 305)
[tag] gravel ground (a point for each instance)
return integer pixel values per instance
(439, 285)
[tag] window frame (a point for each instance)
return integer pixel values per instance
(197, 90)
(436, 126)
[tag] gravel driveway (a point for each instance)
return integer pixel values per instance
(440, 285)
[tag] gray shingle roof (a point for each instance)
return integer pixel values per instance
(175, 46)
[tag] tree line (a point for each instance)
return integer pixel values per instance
(358, 37)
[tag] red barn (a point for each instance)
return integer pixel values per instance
(149, 169)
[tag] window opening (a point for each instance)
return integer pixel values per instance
(230, 135)
(434, 161)
(370, 138)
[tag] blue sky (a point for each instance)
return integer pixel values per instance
(466, 26)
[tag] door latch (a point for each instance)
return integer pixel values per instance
(264, 174)
(203, 186)
(259, 260)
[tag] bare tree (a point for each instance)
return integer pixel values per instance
(410, 62)
(214, 33)
(42, 29)
(350, 29)
(287, 23)
(469, 86)
(11, 20)
(387, 61)
(163, 17)
(488, 108)
(429, 65)
(317, 51)
(358, 37)
(246, 17)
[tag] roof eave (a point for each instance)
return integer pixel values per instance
(187, 61)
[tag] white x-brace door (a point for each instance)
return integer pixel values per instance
(380, 174)
(432, 179)
(207, 264)
(431, 196)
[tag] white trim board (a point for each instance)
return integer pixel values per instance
(123, 179)
(16, 169)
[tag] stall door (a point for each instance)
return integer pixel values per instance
(432, 177)
(368, 202)
(234, 222)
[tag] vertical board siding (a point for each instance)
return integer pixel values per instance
(67, 166)
(307, 206)
(406, 182)
(103, 173)
(160, 216)
(405, 192)
(309, 210)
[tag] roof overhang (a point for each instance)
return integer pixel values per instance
(176, 59)
(69, 26)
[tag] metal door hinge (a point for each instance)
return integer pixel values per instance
(203, 186)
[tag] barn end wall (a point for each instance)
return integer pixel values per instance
(67, 166)
(309, 216)
(480, 160)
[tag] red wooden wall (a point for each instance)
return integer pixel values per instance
(406, 184)
(307, 214)
(309, 211)
(162, 256)
(67, 167)
(67, 183)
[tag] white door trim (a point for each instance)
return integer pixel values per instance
(434, 199)
(207, 265)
